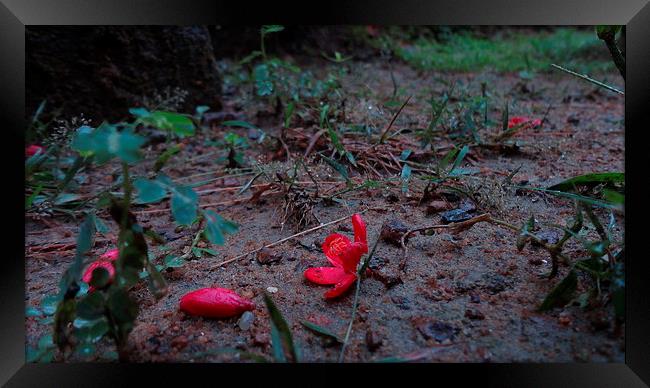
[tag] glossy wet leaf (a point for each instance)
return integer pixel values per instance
(281, 337)
(263, 83)
(174, 261)
(608, 178)
(149, 191)
(106, 143)
(91, 306)
(100, 277)
(184, 204)
(49, 304)
(321, 331)
(217, 227)
(561, 293)
(179, 124)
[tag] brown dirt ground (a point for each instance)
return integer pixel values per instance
(478, 270)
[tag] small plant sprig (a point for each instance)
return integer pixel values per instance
(109, 305)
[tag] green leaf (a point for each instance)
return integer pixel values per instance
(459, 158)
(49, 304)
(100, 226)
(561, 294)
(504, 119)
(64, 198)
(85, 350)
(321, 331)
(338, 167)
(106, 143)
(263, 83)
(281, 337)
(45, 342)
(100, 277)
(405, 176)
(239, 123)
(184, 203)
(91, 330)
(149, 191)
(217, 226)
(172, 261)
(609, 178)
(33, 312)
(165, 156)
(201, 109)
(91, 306)
(156, 282)
(179, 124)
(267, 29)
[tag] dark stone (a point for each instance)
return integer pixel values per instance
(268, 256)
(102, 71)
(377, 262)
(373, 340)
(495, 283)
(474, 314)
(437, 330)
(456, 215)
(392, 231)
(474, 298)
(401, 302)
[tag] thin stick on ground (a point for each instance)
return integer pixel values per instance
(285, 239)
(587, 78)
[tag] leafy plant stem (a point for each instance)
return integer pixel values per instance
(356, 299)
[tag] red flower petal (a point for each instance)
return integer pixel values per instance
(215, 303)
(352, 255)
(325, 275)
(32, 149)
(341, 286)
(111, 255)
(334, 246)
(516, 120)
(88, 274)
(359, 227)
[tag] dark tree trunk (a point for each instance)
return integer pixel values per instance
(103, 71)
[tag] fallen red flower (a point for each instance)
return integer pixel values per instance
(344, 256)
(88, 273)
(33, 149)
(524, 121)
(215, 303)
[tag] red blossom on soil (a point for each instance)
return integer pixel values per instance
(525, 122)
(32, 149)
(111, 254)
(88, 274)
(215, 303)
(344, 256)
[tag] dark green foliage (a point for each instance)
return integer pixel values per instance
(561, 294)
(284, 349)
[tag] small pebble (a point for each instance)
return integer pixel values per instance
(246, 320)
(272, 290)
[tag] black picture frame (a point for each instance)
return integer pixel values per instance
(16, 14)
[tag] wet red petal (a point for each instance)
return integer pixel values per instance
(516, 120)
(111, 255)
(359, 227)
(215, 303)
(88, 274)
(325, 275)
(32, 149)
(334, 246)
(341, 286)
(352, 255)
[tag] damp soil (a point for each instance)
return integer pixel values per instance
(469, 297)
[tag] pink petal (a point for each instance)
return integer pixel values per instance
(334, 246)
(107, 265)
(359, 227)
(111, 255)
(325, 275)
(341, 286)
(215, 303)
